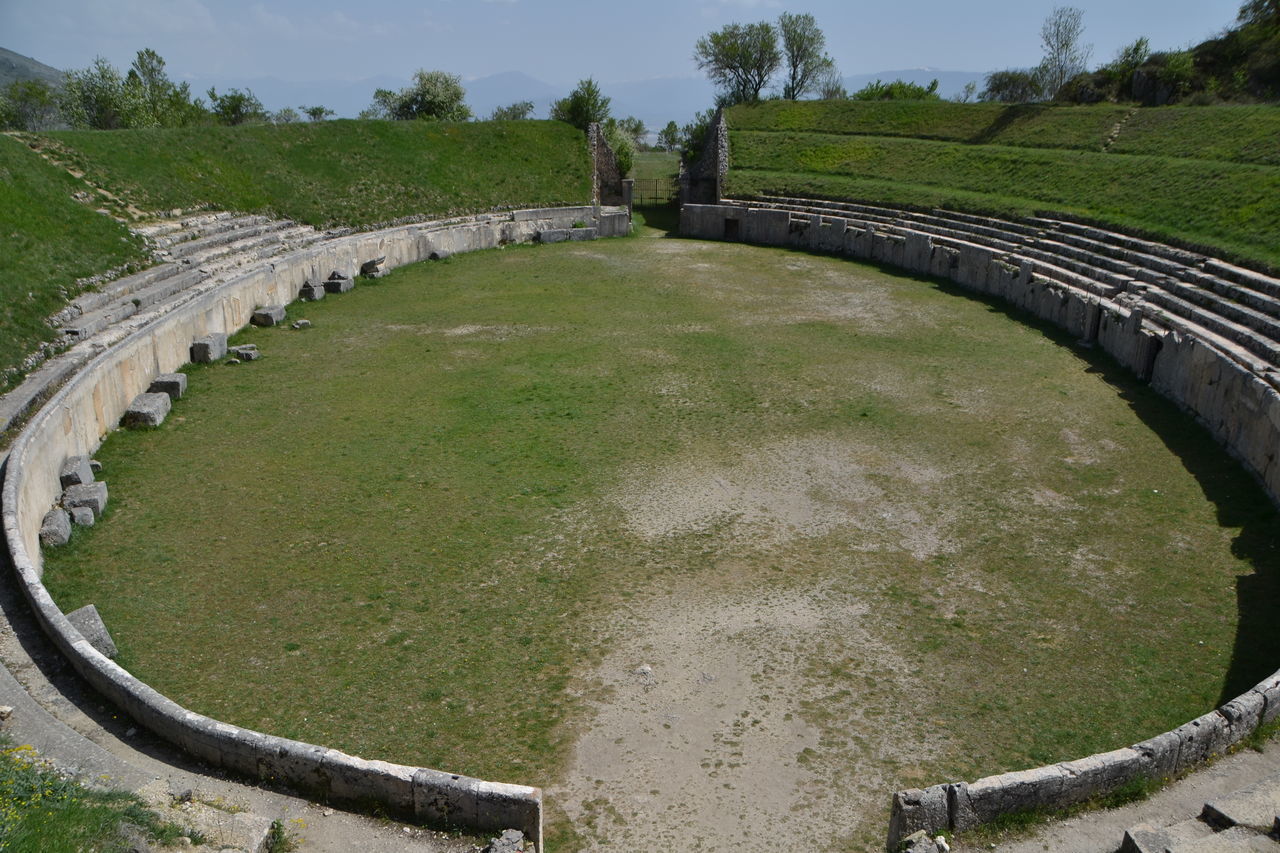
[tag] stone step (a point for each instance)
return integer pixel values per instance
(95, 321)
(114, 290)
(1257, 807)
(1148, 838)
(172, 279)
(197, 231)
(196, 247)
(163, 227)
(1238, 839)
(225, 826)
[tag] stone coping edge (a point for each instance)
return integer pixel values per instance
(79, 415)
(1205, 378)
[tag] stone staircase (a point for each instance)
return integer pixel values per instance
(1236, 310)
(189, 251)
(1246, 820)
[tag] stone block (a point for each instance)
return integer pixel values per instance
(1161, 753)
(1269, 690)
(1256, 807)
(352, 779)
(553, 235)
(375, 268)
(1023, 790)
(246, 352)
(92, 495)
(583, 233)
(209, 348)
(173, 384)
(82, 516)
(311, 292)
(75, 471)
(271, 315)
(301, 324)
(147, 410)
(916, 810)
(90, 625)
(339, 283)
(56, 528)
(1098, 774)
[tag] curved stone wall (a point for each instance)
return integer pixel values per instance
(76, 419)
(1204, 333)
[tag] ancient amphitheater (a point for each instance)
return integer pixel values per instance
(1203, 332)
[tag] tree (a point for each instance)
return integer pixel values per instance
(287, 115)
(316, 113)
(1012, 86)
(831, 85)
(1064, 56)
(803, 47)
(635, 130)
(236, 106)
(740, 59)
(621, 142)
(435, 95)
(898, 90)
(97, 98)
(669, 137)
(164, 103)
(28, 105)
(968, 93)
(519, 111)
(694, 134)
(582, 106)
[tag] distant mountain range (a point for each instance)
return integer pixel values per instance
(654, 101)
(15, 66)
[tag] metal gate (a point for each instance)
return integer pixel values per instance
(649, 192)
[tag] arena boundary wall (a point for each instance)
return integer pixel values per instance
(1234, 394)
(79, 415)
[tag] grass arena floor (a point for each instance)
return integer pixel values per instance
(717, 543)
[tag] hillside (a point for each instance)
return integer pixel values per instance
(355, 173)
(340, 173)
(15, 66)
(1171, 173)
(47, 241)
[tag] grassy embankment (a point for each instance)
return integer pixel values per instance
(502, 478)
(331, 173)
(48, 240)
(40, 810)
(1180, 177)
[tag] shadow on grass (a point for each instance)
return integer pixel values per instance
(1240, 501)
(1008, 117)
(664, 218)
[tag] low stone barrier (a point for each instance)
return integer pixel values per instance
(76, 419)
(1233, 395)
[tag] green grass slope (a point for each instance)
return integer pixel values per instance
(1247, 134)
(343, 172)
(1231, 208)
(48, 240)
(1033, 125)
(330, 173)
(1243, 134)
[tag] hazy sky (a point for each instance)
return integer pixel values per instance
(560, 40)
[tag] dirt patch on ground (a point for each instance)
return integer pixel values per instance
(797, 488)
(700, 737)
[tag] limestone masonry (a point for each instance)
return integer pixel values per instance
(1204, 333)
